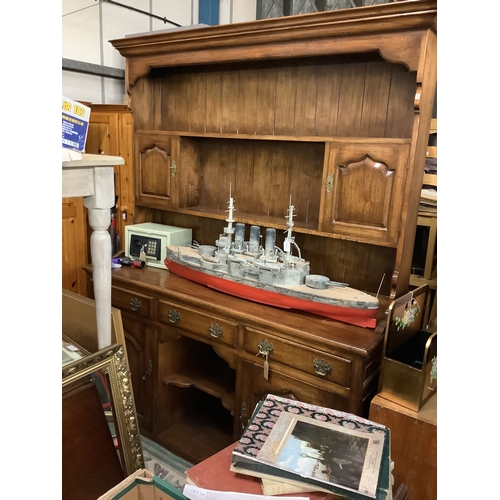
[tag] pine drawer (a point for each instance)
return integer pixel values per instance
(208, 327)
(311, 361)
(132, 302)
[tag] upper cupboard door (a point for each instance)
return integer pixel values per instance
(364, 189)
(156, 184)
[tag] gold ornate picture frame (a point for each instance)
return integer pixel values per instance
(112, 362)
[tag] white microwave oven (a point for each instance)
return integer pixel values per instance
(154, 238)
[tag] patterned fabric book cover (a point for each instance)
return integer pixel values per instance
(335, 451)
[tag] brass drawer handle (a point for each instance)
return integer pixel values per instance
(322, 367)
(150, 370)
(265, 347)
(215, 330)
(173, 316)
(135, 304)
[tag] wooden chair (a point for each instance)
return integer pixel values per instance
(429, 219)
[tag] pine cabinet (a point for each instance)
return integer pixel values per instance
(109, 133)
(330, 110)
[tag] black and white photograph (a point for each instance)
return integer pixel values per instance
(325, 454)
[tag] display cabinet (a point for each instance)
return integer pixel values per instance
(331, 110)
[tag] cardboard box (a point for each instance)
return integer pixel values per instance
(75, 124)
(143, 485)
(408, 373)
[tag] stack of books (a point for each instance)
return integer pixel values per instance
(428, 199)
(428, 195)
(291, 447)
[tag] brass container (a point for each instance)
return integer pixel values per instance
(408, 374)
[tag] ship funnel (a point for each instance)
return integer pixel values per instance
(254, 243)
(239, 237)
(270, 243)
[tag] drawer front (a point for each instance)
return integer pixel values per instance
(132, 302)
(255, 387)
(210, 328)
(318, 363)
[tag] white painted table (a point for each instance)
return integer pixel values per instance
(93, 178)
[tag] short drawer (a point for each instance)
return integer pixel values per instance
(210, 327)
(132, 302)
(318, 363)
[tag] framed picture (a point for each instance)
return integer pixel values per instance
(79, 322)
(107, 369)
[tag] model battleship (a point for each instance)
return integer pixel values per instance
(269, 275)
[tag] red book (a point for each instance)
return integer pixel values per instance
(214, 474)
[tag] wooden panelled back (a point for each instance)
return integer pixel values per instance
(329, 96)
(261, 179)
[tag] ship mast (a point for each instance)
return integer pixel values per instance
(229, 230)
(289, 239)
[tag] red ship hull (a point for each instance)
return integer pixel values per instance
(354, 316)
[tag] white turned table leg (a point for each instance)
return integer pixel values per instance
(100, 247)
(99, 206)
(92, 177)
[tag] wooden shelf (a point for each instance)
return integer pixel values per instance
(434, 126)
(207, 384)
(416, 280)
(430, 179)
(278, 137)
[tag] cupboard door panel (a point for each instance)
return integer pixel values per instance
(102, 137)
(156, 169)
(74, 245)
(364, 186)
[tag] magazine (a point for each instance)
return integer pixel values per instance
(335, 451)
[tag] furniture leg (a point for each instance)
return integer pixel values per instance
(100, 248)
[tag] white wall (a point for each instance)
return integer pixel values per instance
(88, 25)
